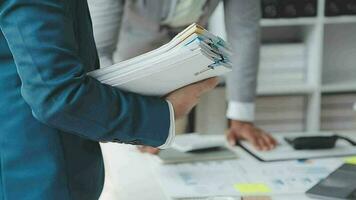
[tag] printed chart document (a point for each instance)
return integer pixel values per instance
(193, 55)
(234, 178)
(285, 151)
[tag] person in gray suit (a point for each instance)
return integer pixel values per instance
(145, 25)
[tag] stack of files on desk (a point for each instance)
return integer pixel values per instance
(195, 147)
(337, 112)
(191, 56)
(281, 114)
(282, 64)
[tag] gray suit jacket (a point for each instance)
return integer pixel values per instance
(139, 23)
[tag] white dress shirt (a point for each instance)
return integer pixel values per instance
(241, 111)
(172, 128)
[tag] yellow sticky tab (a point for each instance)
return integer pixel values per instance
(351, 160)
(252, 188)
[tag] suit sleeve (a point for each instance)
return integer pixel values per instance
(242, 20)
(42, 39)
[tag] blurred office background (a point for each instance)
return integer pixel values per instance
(307, 78)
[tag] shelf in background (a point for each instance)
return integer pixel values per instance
(346, 86)
(340, 19)
(285, 90)
(330, 47)
(289, 21)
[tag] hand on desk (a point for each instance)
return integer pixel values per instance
(238, 131)
(247, 131)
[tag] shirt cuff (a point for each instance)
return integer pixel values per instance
(172, 128)
(241, 111)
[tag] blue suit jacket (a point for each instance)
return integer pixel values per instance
(52, 114)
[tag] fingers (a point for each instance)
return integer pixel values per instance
(204, 86)
(209, 84)
(152, 150)
(147, 149)
(267, 142)
(184, 99)
(263, 146)
(231, 138)
(259, 139)
(270, 140)
(254, 140)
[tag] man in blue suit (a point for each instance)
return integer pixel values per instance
(52, 114)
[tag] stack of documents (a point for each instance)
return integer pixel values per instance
(191, 56)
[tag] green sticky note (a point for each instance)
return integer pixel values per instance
(252, 188)
(351, 160)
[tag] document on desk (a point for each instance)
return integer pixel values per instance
(234, 178)
(191, 56)
(285, 151)
(196, 147)
(196, 141)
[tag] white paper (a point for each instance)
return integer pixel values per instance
(208, 179)
(175, 77)
(193, 55)
(180, 40)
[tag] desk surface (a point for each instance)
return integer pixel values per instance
(130, 175)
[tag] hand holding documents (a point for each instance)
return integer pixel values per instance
(193, 55)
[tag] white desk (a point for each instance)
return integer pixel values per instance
(132, 177)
